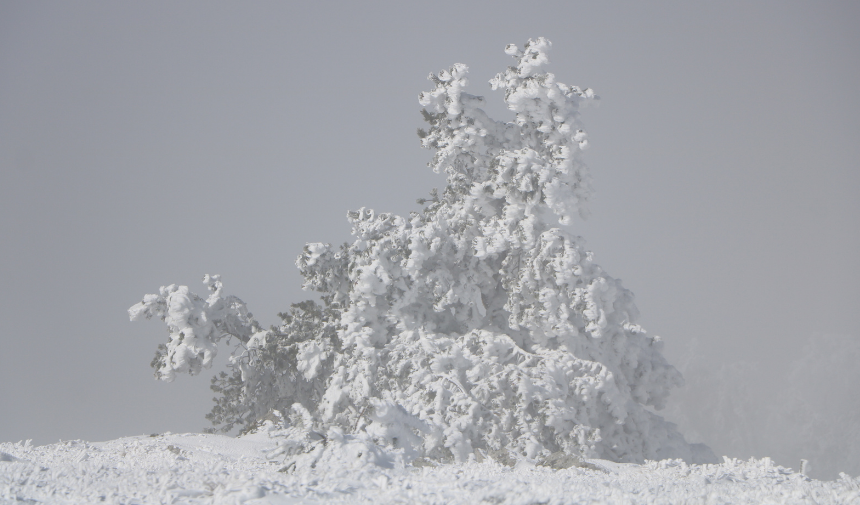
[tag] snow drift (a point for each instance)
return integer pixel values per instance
(206, 469)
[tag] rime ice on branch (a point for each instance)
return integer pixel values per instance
(195, 325)
(474, 324)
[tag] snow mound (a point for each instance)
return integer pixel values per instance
(261, 469)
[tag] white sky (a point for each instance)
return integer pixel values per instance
(143, 144)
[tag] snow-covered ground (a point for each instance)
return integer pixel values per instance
(198, 468)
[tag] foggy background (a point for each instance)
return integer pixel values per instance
(144, 144)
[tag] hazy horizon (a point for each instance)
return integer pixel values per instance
(149, 144)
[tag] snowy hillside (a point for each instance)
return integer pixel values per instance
(196, 468)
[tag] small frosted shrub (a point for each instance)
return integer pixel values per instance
(474, 324)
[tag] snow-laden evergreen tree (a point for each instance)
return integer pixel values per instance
(475, 324)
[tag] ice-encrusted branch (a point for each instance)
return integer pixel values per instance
(195, 325)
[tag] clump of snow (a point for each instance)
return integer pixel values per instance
(205, 469)
(196, 325)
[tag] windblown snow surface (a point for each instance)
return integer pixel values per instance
(204, 468)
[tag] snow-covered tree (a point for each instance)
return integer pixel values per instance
(475, 324)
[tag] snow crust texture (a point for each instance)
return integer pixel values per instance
(215, 469)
